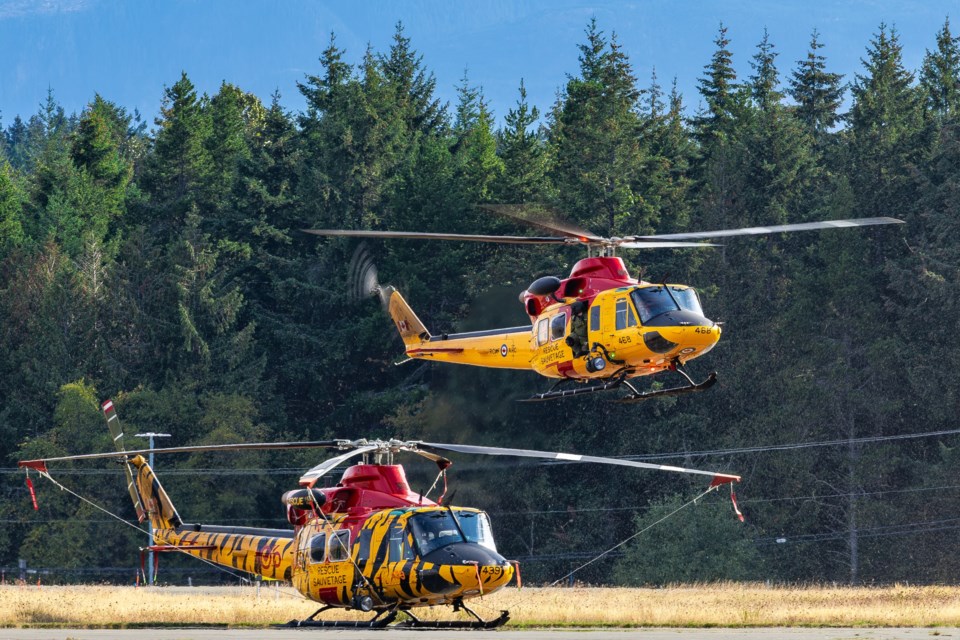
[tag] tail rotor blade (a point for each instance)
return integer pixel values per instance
(116, 431)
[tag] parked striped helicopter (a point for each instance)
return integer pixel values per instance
(599, 327)
(368, 543)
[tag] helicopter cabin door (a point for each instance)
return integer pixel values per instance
(596, 317)
(391, 556)
(613, 322)
(624, 320)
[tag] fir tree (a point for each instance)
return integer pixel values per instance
(524, 154)
(764, 81)
(721, 93)
(11, 202)
(817, 92)
(598, 159)
(940, 75)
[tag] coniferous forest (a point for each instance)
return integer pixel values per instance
(162, 265)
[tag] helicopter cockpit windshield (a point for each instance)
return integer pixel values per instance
(655, 300)
(436, 529)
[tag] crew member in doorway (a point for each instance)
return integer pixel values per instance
(577, 340)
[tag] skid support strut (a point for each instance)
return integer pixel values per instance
(477, 623)
(693, 387)
(379, 621)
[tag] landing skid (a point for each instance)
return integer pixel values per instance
(556, 393)
(379, 621)
(615, 383)
(384, 618)
(478, 622)
(638, 396)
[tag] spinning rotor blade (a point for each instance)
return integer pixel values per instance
(362, 280)
(421, 235)
(718, 478)
(542, 217)
(753, 231)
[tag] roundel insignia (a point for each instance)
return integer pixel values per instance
(503, 350)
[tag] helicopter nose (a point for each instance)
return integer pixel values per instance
(478, 569)
(680, 333)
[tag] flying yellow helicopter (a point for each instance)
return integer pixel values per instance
(368, 543)
(599, 327)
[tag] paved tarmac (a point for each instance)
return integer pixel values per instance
(508, 634)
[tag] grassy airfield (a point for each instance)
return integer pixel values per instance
(724, 605)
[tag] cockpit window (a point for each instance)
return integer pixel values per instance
(437, 529)
(476, 526)
(652, 301)
(318, 547)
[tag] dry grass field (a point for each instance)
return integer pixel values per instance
(726, 605)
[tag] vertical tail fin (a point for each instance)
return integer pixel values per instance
(113, 423)
(408, 324)
(158, 505)
(149, 498)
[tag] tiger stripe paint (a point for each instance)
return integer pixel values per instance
(243, 551)
(383, 560)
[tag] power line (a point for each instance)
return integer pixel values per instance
(788, 447)
(908, 528)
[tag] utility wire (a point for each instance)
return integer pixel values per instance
(790, 447)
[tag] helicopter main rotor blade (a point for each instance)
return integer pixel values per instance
(441, 462)
(422, 235)
(310, 478)
(718, 478)
(655, 244)
(541, 216)
(40, 464)
(780, 228)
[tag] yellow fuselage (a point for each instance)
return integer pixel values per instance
(613, 330)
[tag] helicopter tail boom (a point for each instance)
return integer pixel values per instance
(501, 348)
(266, 552)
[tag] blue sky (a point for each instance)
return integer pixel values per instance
(129, 50)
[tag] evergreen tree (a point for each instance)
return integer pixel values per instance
(724, 98)
(412, 87)
(671, 152)
(884, 117)
(940, 75)
(595, 144)
(17, 148)
(765, 79)
(478, 166)
(96, 151)
(180, 166)
(234, 116)
(817, 92)
(11, 214)
(523, 152)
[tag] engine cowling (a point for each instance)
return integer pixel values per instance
(300, 503)
(304, 498)
(544, 286)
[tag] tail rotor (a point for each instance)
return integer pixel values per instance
(362, 275)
